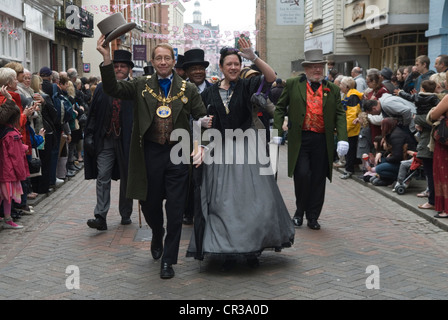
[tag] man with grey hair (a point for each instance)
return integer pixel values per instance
(72, 74)
(361, 84)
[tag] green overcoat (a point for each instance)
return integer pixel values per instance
(292, 103)
(145, 106)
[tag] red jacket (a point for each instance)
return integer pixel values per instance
(23, 119)
(13, 162)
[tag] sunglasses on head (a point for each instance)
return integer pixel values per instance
(229, 49)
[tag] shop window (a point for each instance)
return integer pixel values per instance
(401, 49)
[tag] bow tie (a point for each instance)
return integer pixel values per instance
(165, 84)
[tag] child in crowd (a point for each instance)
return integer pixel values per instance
(369, 161)
(425, 100)
(13, 161)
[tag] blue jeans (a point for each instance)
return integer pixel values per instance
(387, 171)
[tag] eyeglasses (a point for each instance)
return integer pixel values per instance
(160, 59)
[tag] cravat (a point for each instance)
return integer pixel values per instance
(165, 84)
(315, 86)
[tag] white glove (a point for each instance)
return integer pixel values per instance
(206, 122)
(342, 148)
(277, 140)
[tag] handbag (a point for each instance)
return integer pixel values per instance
(440, 132)
(259, 98)
(35, 164)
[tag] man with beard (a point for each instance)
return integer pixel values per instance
(314, 111)
(108, 128)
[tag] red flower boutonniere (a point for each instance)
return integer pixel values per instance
(326, 90)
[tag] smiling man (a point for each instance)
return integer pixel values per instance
(163, 103)
(195, 67)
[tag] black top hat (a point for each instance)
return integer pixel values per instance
(195, 57)
(149, 70)
(115, 26)
(180, 61)
(123, 56)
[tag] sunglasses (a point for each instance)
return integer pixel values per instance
(229, 50)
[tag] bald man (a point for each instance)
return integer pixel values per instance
(361, 84)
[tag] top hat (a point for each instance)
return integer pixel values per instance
(314, 56)
(114, 26)
(180, 61)
(123, 56)
(194, 57)
(148, 70)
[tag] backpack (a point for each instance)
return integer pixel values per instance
(63, 106)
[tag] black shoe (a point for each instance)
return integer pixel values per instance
(313, 224)
(166, 271)
(298, 221)
(98, 223)
(157, 246)
(187, 221)
(126, 221)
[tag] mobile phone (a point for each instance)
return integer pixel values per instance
(237, 45)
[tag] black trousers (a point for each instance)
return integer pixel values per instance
(170, 181)
(42, 183)
(310, 175)
(350, 158)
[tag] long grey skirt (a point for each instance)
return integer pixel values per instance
(242, 207)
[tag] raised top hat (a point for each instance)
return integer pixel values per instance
(314, 56)
(194, 57)
(180, 61)
(114, 26)
(123, 56)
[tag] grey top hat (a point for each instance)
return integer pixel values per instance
(314, 56)
(115, 26)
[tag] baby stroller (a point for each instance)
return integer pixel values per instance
(415, 169)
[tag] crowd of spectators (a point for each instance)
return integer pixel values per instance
(53, 107)
(391, 130)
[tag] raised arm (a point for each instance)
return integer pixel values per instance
(248, 53)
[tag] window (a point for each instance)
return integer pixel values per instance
(401, 49)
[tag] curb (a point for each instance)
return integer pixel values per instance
(401, 202)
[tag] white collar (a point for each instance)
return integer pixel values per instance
(170, 77)
(202, 86)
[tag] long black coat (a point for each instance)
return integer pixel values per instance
(99, 117)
